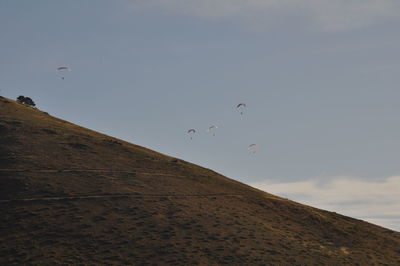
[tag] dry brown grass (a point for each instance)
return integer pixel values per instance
(70, 195)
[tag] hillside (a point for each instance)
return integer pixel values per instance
(70, 195)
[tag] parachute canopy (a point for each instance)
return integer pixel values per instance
(252, 146)
(191, 132)
(210, 128)
(63, 68)
(240, 107)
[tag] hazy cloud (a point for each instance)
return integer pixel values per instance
(327, 15)
(376, 202)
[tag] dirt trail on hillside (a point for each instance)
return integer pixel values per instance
(79, 197)
(85, 170)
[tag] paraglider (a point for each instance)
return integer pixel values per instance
(212, 128)
(240, 107)
(191, 132)
(62, 69)
(252, 147)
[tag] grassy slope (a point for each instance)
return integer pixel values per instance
(94, 199)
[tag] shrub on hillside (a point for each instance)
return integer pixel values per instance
(21, 99)
(26, 100)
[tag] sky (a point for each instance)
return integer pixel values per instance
(320, 80)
